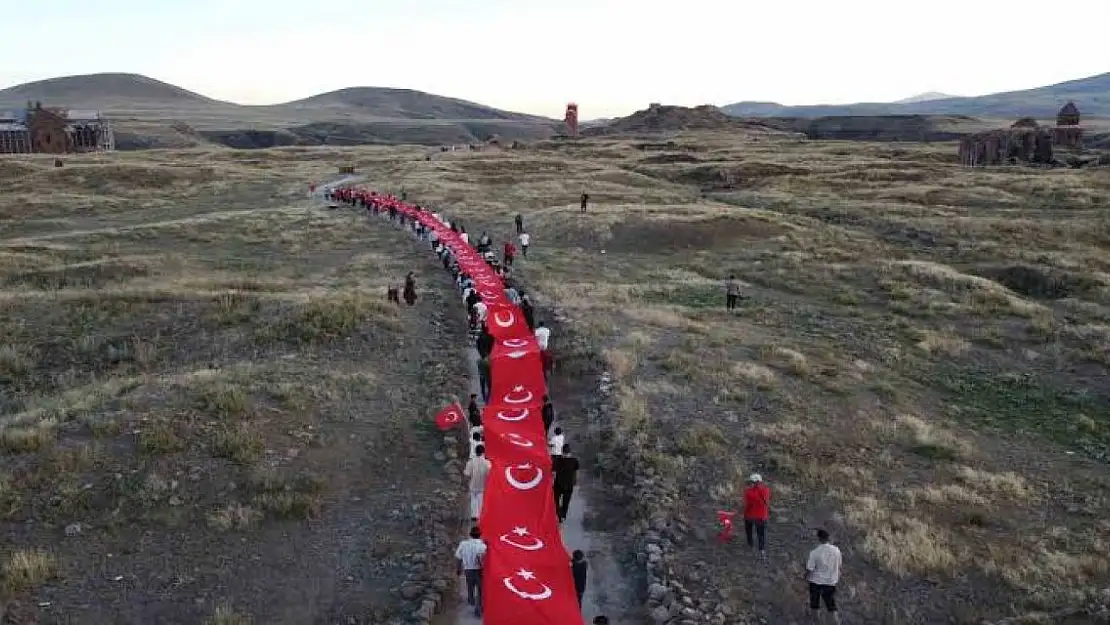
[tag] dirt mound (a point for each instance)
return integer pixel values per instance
(658, 118)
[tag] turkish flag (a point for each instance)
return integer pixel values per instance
(516, 589)
(518, 492)
(517, 357)
(450, 416)
(516, 442)
(506, 321)
(525, 419)
(516, 386)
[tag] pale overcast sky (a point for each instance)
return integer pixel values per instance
(611, 56)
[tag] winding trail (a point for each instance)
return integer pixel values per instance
(608, 591)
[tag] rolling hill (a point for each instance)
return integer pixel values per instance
(151, 113)
(1091, 95)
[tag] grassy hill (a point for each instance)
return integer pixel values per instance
(1091, 94)
(151, 113)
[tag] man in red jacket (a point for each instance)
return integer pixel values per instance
(757, 510)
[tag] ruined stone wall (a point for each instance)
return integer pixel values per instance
(997, 147)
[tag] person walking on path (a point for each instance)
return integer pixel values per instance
(585, 201)
(525, 240)
(528, 310)
(556, 443)
(578, 568)
(732, 293)
(519, 221)
(508, 253)
(548, 414)
(757, 510)
(477, 469)
(470, 554)
(823, 574)
(565, 467)
(410, 289)
(484, 378)
(473, 412)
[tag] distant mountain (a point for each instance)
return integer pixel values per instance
(96, 90)
(1091, 95)
(406, 104)
(928, 96)
(147, 111)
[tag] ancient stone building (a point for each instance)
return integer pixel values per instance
(42, 130)
(1068, 133)
(999, 147)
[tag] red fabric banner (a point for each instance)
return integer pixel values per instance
(527, 577)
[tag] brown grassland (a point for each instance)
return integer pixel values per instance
(201, 386)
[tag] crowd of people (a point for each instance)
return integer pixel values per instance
(824, 561)
(471, 550)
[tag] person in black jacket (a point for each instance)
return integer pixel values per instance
(519, 219)
(566, 476)
(484, 344)
(578, 567)
(528, 310)
(474, 412)
(548, 414)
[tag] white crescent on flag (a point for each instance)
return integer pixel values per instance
(514, 343)
(543, 593)
(518, 440)
(506, 321)
(520, 415)
(522, 540)
(519, 395)
(530, 484)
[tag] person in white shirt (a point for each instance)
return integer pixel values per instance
(525, 239)
(480, 311)
(477, 469)
(465, 237)
(556, 442)
(470, 553)
(823, 574)
(543, 335)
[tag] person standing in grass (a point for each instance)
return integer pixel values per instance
(477, 469)
(470, 554)
(410, 288)
(525, 240)
(732, 293)
(757, 511)
(585, 201)
(519, 221)
(822, 575)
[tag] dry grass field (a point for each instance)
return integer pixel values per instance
(919, 362)
(209, 413)
(205, 405)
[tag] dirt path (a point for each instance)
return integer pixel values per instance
(606, 590)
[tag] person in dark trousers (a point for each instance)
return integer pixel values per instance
(483, 378)
(474, 413)
(732, 293)
(470, 554)
(519, 220)
(822, 575)
(410, 288)
(585, 201)
(757, 510)
(528, 310)
(578, 568)
(484, 344)
(393, 294)
(548, 414)
(565, 467)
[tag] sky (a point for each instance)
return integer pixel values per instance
(611, 57)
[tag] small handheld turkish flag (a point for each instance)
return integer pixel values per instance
(450, 416)
(725, 519)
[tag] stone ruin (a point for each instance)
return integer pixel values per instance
(1025, 141)
(999, 147)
